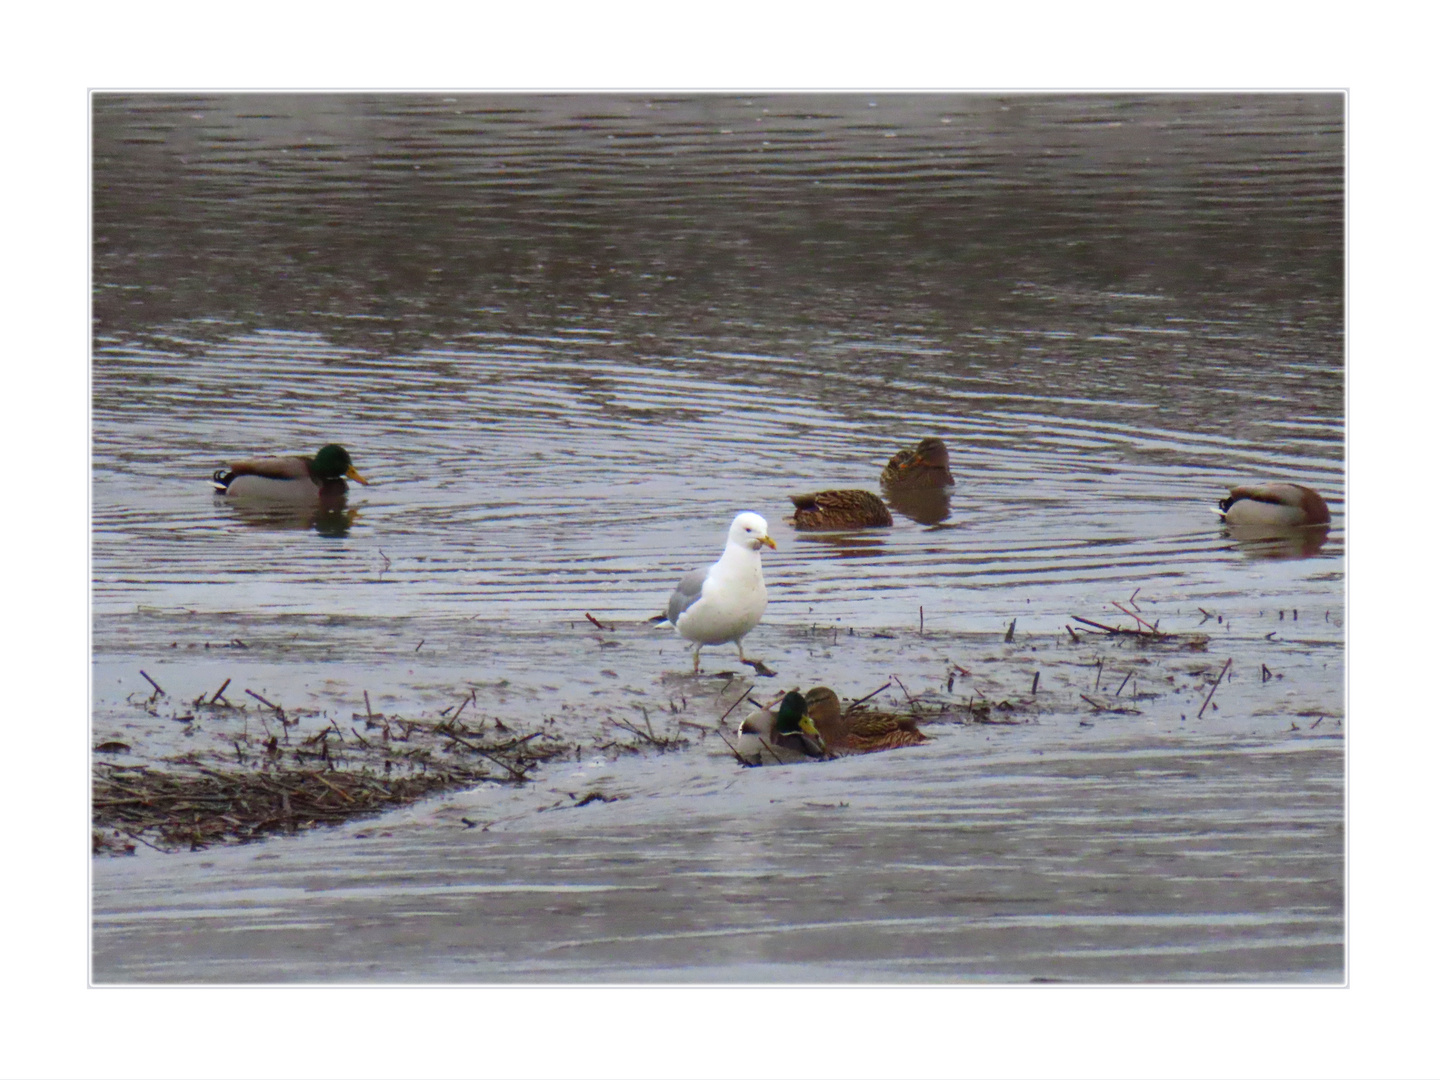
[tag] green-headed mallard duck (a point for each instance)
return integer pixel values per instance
(301, 478)
(926, 466)
(858, 730)
(1285, 506)
(779, 736)
(847, 509)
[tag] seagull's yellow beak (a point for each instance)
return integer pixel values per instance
(353, 474)
(765, 540)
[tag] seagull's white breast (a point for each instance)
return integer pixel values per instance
(731, 603)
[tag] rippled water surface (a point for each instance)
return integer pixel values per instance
(567, 338)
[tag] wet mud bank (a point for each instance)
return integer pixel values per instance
(234, 762)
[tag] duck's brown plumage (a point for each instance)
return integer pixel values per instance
(859, 730)
(846, 509)
(1275, 504)
(925, 466)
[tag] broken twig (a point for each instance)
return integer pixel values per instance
(1210, 695)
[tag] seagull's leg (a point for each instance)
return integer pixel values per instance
(697, 660)
(742, 650)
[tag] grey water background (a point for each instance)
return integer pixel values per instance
(569, 336)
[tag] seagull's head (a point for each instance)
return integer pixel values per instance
(750, 532)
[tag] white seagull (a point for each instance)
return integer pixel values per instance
(725, 601)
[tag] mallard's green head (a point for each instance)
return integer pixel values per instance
(333, 462)
(793, 719)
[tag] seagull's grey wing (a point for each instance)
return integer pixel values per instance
(686, 593)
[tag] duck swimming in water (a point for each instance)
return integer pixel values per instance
(1285, 506)
(926, 466)
(299, 478)
(845, 509)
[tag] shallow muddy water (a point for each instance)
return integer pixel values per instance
(567, 338)
(991, 856)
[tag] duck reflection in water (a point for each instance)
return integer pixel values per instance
(332, 519)
(851, 545)
(1277, 541)
(924, 507)
(1276, 521)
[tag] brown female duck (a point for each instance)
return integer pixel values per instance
(858, 730)
(845, 509)
(926, 466)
